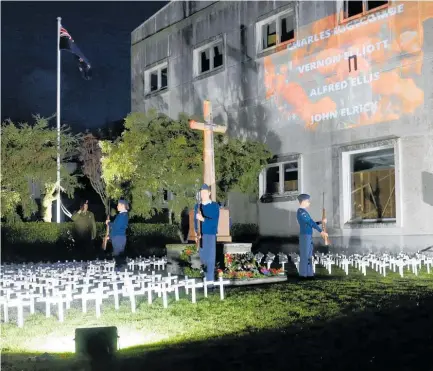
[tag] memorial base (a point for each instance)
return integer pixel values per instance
(223, 226)
(258, 281)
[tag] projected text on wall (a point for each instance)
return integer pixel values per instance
(362, 72)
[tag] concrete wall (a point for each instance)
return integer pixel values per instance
(278, 98)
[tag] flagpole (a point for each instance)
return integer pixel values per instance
(59, 25)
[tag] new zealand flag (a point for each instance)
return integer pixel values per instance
(67, 43)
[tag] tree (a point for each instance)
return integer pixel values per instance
(29, 154)
(156, 153)
(238, 164)
(90, 157)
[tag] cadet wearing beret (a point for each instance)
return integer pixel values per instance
(306, 225)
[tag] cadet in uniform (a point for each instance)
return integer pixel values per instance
(306, 225)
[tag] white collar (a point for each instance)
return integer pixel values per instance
(206, 203)
(123, 211)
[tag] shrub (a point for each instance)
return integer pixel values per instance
(38, 241)
(244, 232)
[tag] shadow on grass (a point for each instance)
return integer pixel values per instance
(396, 337)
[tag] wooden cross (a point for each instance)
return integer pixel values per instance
(208, 128)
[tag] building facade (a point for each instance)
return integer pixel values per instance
(341, 92)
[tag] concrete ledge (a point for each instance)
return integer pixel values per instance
(237, 248)
(257, 281)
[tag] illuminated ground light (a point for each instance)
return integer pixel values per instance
(127, 338)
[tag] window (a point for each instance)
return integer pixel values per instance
(281, 178)
(156, 78)
(209, 57)
(360, 8)
(373, 186)
(276, 30)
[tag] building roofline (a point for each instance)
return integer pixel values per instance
(154, 15)
(158, 22)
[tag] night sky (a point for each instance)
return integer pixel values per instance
(102, 30)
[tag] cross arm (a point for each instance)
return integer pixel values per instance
(202, 126)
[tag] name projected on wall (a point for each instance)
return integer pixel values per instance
(363, 72)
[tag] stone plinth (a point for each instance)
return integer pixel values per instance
(237, 248)
(223, 234)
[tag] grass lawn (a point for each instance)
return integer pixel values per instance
(331, 323)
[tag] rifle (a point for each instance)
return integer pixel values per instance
(323, 220)
(105, 240)
(198, 236)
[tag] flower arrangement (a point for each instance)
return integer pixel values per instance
(237, 266)
(272, 271)
(188, 252)
(245, 266)
(277, 272)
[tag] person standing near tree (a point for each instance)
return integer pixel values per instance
(207, 213)
(85, 229)
(117, 231)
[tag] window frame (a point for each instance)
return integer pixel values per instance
(147, 79)
(346, 184)
(276, 17)
(209, 45)
(280, 164)
(364, 12)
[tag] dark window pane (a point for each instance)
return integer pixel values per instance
(373, 185)
(164, 78)
(291, 177)
(154, 81)
(290, 166)
(204, 61)
(352, 8)
(381, 159)
(269, 32)
(375, 4)
(287, 28)
(273, 180)
(218, 56)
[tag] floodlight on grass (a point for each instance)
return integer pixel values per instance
(96, 342)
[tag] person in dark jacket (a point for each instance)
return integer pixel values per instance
(306, 225)
(207, 213)
(118, 231)
(84, 229)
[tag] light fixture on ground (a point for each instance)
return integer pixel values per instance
(96, 342)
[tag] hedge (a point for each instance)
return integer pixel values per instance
(37, 241)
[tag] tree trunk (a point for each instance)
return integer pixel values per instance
(179, 227)
(47, 204)
(106, 203)
(170, 216)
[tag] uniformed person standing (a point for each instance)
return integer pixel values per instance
(207, 214)
(84, 230)
(306, 225)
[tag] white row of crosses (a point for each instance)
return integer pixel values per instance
(379, 263)
(269, 259)
(59, 284)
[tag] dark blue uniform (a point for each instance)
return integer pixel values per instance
(306, 225)
(209, 230)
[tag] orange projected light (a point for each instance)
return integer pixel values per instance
(311, 82)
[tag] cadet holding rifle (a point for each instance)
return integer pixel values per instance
(306, 225)
(206, 217)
